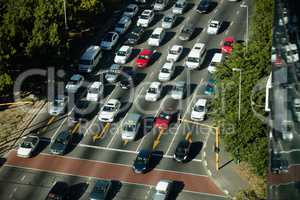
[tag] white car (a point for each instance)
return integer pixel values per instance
(109, 40)
(28, 146)
(199, 110)
(58, 105)
(196, 56)
(179, 7)
(109, 110)
(131, 10)
(296, 108)
(292, 54)
(174, 53)
(75, 83)
(123, 24)
(216, 60)
(213, 27)
(156, 37)
(154, 91)
(145, 18)
(123, 54)
(160, 4)
(95, 91)
(113, 73)
(273, 55)
(162, 190)
(168, 21)
(167, 71)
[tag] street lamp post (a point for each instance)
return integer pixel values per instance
(240, 90)
(247, 23)
(65, 13)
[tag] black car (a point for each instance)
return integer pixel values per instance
(61, 143)
(59, 191)
(187, 31)
(134, 36)
(100, 190)
(204, 6)
(182, 151)
(127, 77)
(279, 165)
(142, 161)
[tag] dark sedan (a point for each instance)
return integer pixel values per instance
(59, 191)
(134, 36)
(100, 190)
(127, 78)
(182, 151)
(142, 161)
(61, 143)
(204, 6)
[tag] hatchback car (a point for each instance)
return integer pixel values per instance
(28, 145)
(58, 105)
(131, 10)
(127, 78)
(167, 71)
(179, 90)
(213, 27)
(174, 53)
(109, 110)
(59, 191)
(123, 24)
(179, 7)
(123, 54)
(113, 73)
(109, 40)
(142, 162)
(199, 110)
(182, 150)
(227, 45)
(168, 21)
(204, 6)
(100, 190)
(61, 142)
(76, 81)
(144, 58)
(134, 36)
(145, 18)
(187, 31)
(154, 92)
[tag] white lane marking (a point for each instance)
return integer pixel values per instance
(226, 33)
(90, 126)
(173, 139)
(60, 126)
(215, 10)
(23, 178)
(15, 189)
(107, 148)
(126, 182)
(238, 12)
(231, 23)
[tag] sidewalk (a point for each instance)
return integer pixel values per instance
(227, 178)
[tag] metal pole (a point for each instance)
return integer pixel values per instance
(65, 12)
(217, 148)
(240, 94)
(247, 31)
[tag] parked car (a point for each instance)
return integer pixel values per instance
(154, 92)
(123, 24)
(100, 190)
(113, 73)
(216, 60)
(227, 45)
(182, 150)
(174, 53)
(179, 7)
(199, 110)
(75, 82)
(145, 18)
(134, 36)
(144, 58)
(178, 90)
(167, 71)
(127, 78)
(109, 40)
(213, 27)
(287, 130)
(204, 6)
(95, 91)
(131, 10)
(58, 105)
(164, 119)
(123, 54)
(109, 110)
(131, 126)
(90, 58)
(59, 191)
(28, 145)
(210, 87)
(168, 21)
(187, 31)
(157, 37)
(61, 142)
(196, 56)
(291, 51)
(142, 161)
(296, 108)
(160, 4)
(163, 190)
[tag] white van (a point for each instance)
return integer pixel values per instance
(157, 37)
(90, 59)
(160, 4)
(95, 91)
(216, 60)
(196, 56)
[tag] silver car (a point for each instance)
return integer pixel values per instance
(179, 7)
(112, 75)
(58, 105)
(168, 21)
(179, 90)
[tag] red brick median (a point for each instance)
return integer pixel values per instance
(293, 175)
(195, 183)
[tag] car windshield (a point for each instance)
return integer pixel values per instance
(152, 90)
(155, 36)
(129, 9)
(26, 144)
(168, 19)
(141, 160)
(177, 88)
(144, 57)
(159, 1)
(199, 108)
(93, 90)
(58, 103)
(108, 108)
(297, 108)
(179, 5)
(227, 43)
(213, 25)
(164, 115)
(121, 53)
(165, 70)
(119, 25)
(144, 17)
(174, 52)
(192, 59)
(129, 127)
(73, 82)
(85, 62)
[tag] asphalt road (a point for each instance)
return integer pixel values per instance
(111, 149)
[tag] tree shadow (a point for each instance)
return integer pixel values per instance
(224, 26)
(177, 72)
(195, 149)
(177, 187)
(196, 32)
(190, 90)
(135, 53)
(44, 142)
(115, 188)
(178, 21)
(185, 52)
(77, 190)
(155, 160)
(168, 37)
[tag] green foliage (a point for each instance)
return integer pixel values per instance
(5, 84)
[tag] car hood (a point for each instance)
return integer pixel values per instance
(106, 114)
(139, 166)
(197, 114)
(161, 123)
(141, 61)
(24, 151)
(110, 77)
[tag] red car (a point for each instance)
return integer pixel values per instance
(143, 58)
(227, 45)
(163, 120)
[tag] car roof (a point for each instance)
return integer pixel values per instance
(146, 12)
(155, 84)
(115, 66)
(168, 65)
(162, 185)
(63, 135)
(146, 52)
(179, 83)
(198, 46)
(132, 5)
(133, 117)
(291, 47)
(217, 57)
(76, 77)
(229, 39)
(158, 30)
(96, 84)
(124, 19)
(124, 48)
(201, 102)
(112, 101)
(144, 153)
(176, 47)
(90, 52)
(214, 22)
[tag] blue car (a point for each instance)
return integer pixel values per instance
(142, 161)
(210, 87)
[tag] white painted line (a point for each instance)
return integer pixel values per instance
(106, 148)
(92, 123)
(231, 23)
(194, 95)
(238, 12)
(146, 196)
(209, 172)
(15, 189)
(23, 178)
(173, 139)
(216, 10)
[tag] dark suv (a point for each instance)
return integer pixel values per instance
(204, 6)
